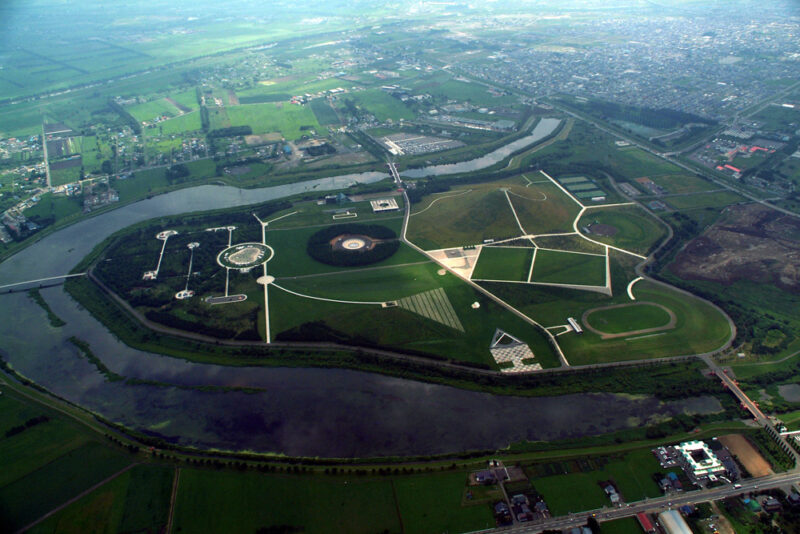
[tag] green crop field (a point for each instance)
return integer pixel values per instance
(154, 109)
(473, 93)
(778, 118)
(681, 183)
(381, 104)
(635, 162)
(577, 491)
(432, 503)
(136, 501)
(291, 120)
(53, 208)
(502, 263)
(324, 112)
(636, 231)
(556, 267)
(218, 119)
(636, 316)
(188, 122)
(717, 199)
(210, 501)
(629, 525)
(186, 98)
(65, 176)
(38, 492)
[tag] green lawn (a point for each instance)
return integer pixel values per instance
(463, 219)
(636, 316)
(556, 267)
(543, 208)
(636, 231)
(391, 326)
(699, 328)
(502, 263)
(211, 501)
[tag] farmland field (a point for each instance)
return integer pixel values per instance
(210, 501)
(682, 183)
(381, 104)
(291, 120)
(576, 491)
(432, 503)
(188, 122)
(136, 501)
(705, 200)
(38, 492)
(154, 109)
(324, 112)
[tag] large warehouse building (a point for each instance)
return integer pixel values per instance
(673, 523)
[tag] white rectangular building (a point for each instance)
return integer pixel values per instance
(700, 459)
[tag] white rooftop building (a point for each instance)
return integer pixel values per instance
(700, 459)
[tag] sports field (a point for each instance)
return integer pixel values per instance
(627, 317)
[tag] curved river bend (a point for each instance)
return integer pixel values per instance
(297, 411)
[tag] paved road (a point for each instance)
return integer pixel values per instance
(653, 505)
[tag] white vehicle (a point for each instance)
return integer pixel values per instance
(737, 486)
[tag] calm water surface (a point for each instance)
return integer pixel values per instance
(297, 411)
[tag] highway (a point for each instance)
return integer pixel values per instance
(679, 499)
(652, 505)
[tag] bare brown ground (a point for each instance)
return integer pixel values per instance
(749, 457)
(750, 242)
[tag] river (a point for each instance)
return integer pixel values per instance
(296, 411)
